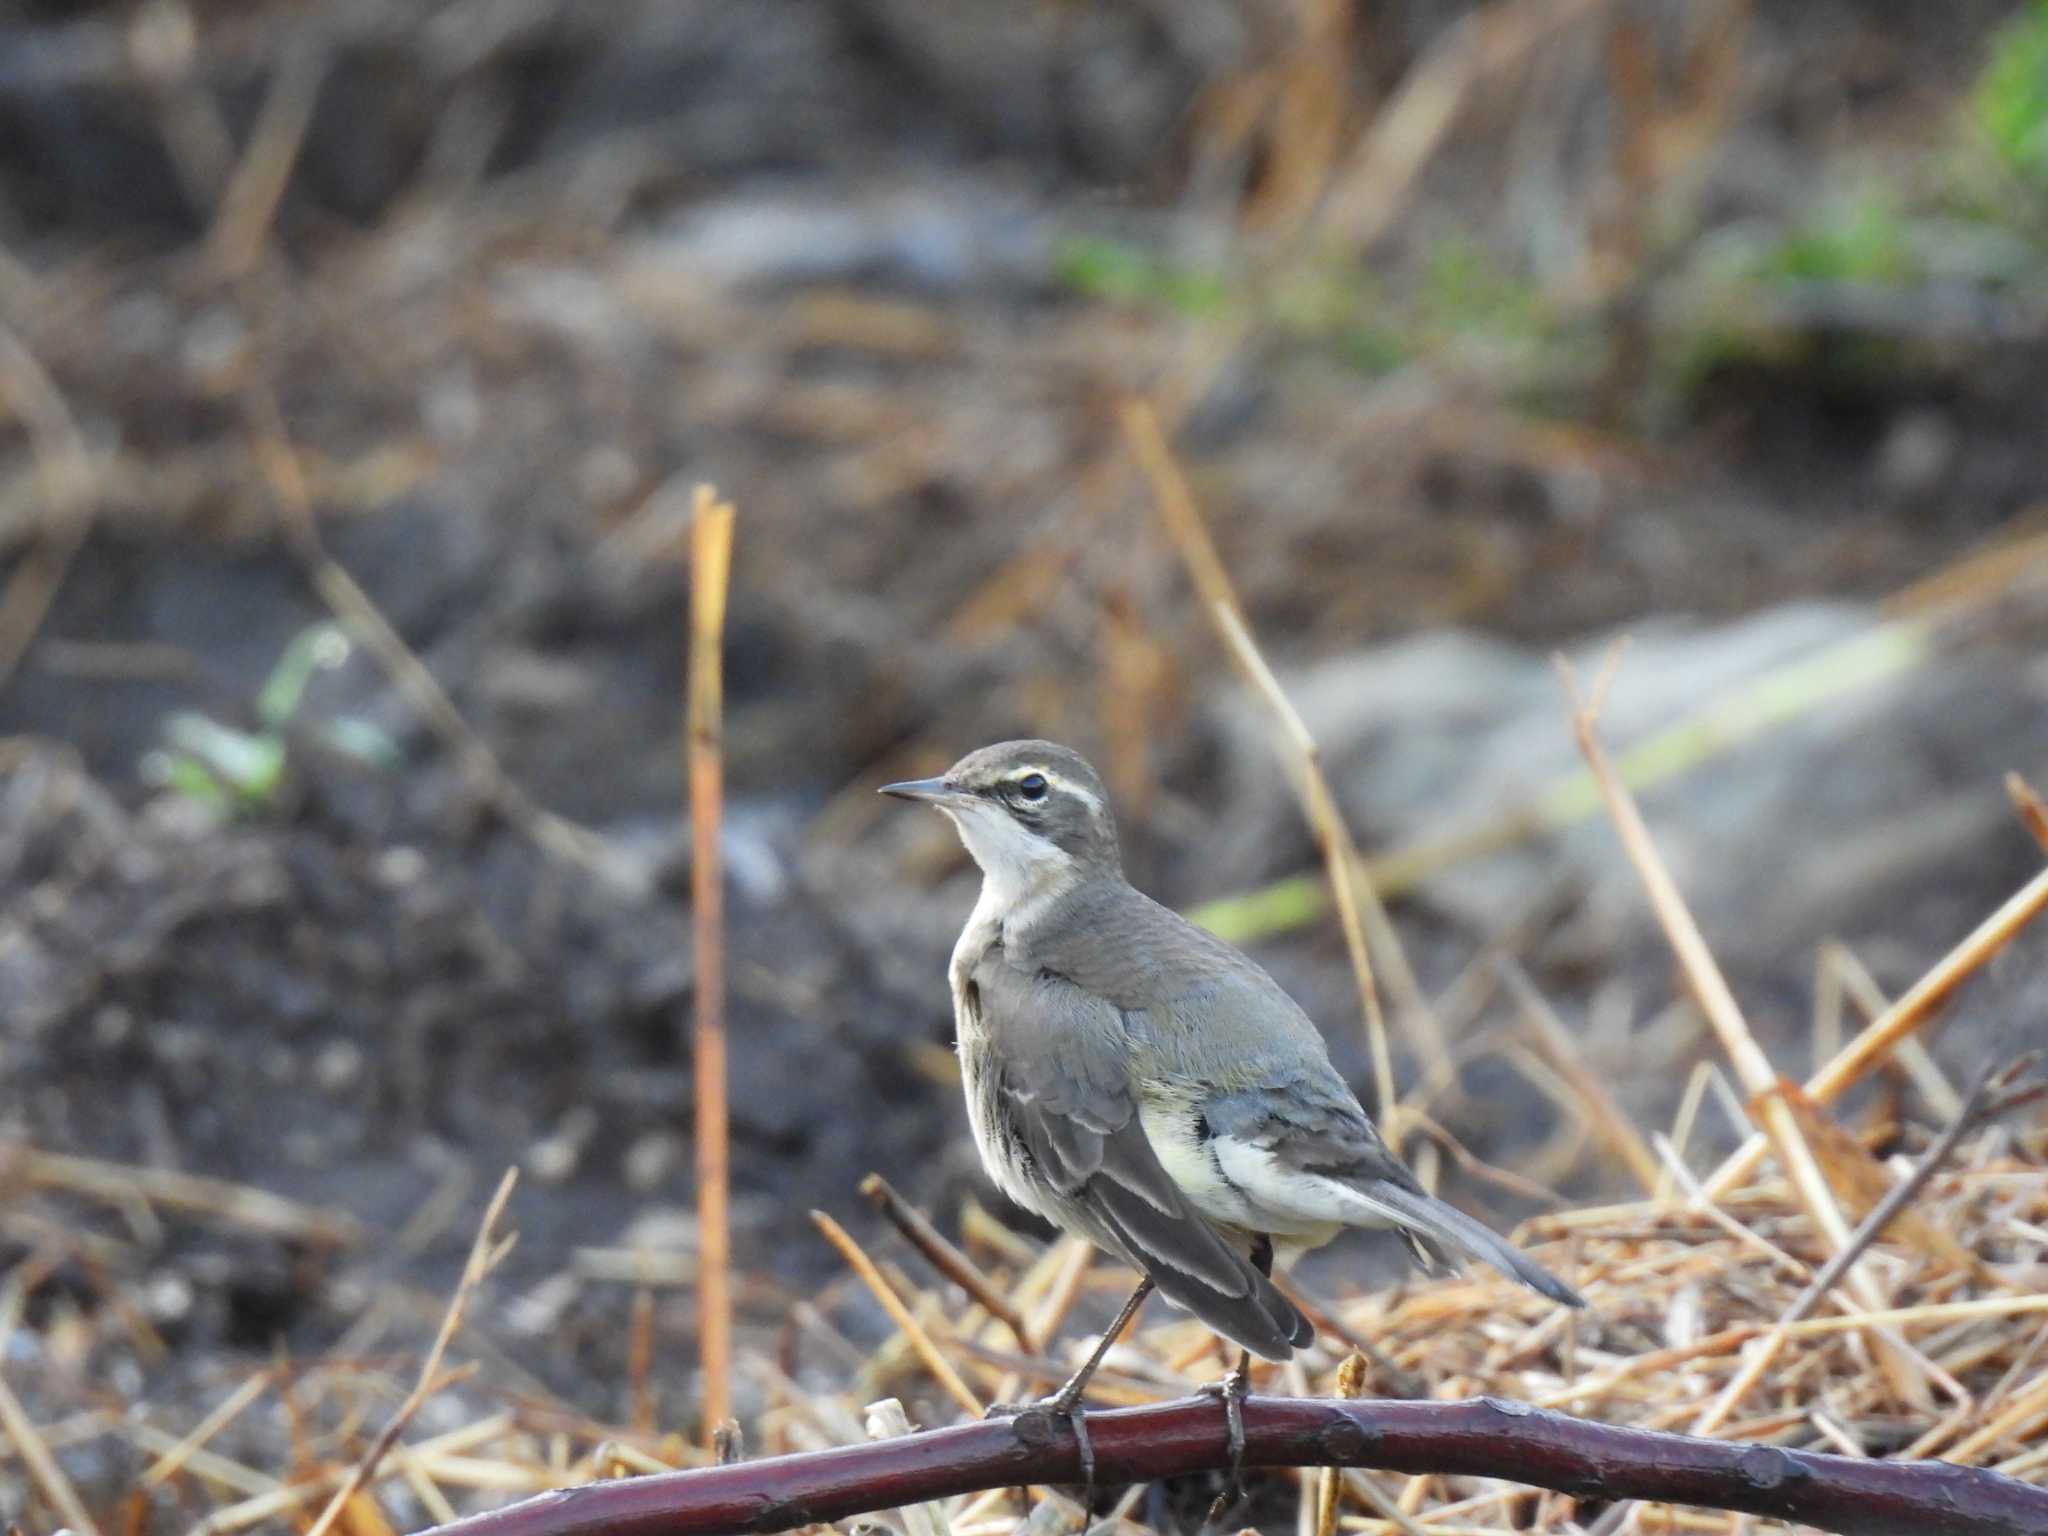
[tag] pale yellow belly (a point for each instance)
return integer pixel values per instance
(1170, 1125)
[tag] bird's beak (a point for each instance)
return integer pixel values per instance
(931, 791)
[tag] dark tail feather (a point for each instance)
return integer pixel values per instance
(1144, 1218)
(1431, 1220)
(1264, 1322)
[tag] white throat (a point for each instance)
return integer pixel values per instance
(1019, 868)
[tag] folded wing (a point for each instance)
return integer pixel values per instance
(1068, 1101)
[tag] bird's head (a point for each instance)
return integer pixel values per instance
(1032, 813)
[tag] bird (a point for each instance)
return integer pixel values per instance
(1136, 1080)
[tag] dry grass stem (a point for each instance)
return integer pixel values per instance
(284, 474)
(42, 1465)
(1358, 906)
(1339, 852)
(1330, 1481)
(1718, 726)
(947, 1259)
(710, 569)
(1991, 1097)
(920, 1340)
(65, 488)
(1846, 973)
(886, 1420)
(1876, 1041)
(128, 1186)
(225, 1413)
(484, 1256)
(2033, 811)
(1370, 193)
(1601, 1110)
(249, 202)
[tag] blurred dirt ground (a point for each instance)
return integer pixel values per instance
(315, 312)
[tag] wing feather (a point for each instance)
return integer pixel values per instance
(1066, 1094)
(1311, 1142)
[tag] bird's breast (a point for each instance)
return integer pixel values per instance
(1003, 1157)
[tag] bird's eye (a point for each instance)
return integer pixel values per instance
(1032, 786)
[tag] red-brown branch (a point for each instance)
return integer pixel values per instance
(1481, 1437)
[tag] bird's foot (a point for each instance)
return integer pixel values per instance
(1233, 1389)
(1047, 1411)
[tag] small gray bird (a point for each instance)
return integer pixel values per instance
(1134, 1079)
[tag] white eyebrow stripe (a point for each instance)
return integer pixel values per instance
(1059, 782)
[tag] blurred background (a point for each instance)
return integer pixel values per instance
(358, 362)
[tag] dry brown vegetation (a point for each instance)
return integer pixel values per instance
(1701, 1320)
(1736, 1304)
(421, 322)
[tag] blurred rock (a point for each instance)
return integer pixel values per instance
(1876, 816)
(932, 237)
(1916, 453)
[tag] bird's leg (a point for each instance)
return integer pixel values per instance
(1237, 1386)
(1234, 1389)
(1070, 1394)
(1066, 1403)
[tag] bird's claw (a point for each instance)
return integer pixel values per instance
(1058, 1406)
(1233, 1389)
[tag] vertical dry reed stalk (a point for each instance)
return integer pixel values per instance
(710, 566)
(1359, 911)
